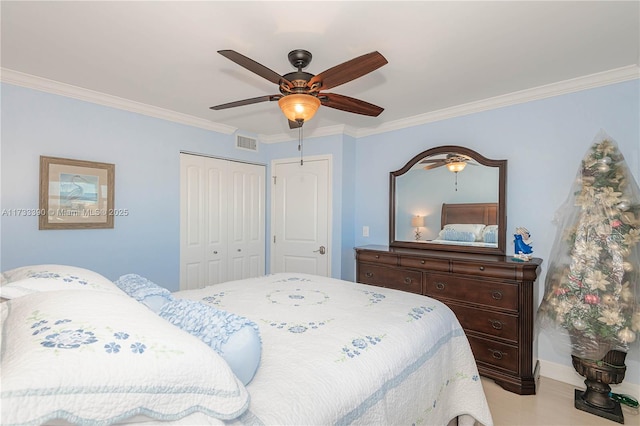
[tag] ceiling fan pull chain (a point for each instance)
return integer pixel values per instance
(300, 143)
(456, 173)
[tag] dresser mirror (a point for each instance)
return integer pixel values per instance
(449, 198)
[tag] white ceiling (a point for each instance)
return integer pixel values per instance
(441, 54)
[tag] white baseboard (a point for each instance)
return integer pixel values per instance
(566, 374)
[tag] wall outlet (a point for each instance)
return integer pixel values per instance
(365, 231)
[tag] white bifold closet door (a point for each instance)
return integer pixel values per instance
(222, 221)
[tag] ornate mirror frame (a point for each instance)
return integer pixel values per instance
(501, 210)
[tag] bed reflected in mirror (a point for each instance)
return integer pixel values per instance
(455, 195)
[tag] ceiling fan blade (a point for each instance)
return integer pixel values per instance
(435, 160)
(433, 165)
(348, 71)
(349, 104)
(247, 102)
(255, 67)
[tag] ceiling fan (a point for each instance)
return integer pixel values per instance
(301, 92)
(454, 162)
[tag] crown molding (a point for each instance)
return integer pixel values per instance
(50, 86)
(618, 75)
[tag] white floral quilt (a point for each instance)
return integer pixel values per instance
(335, 352)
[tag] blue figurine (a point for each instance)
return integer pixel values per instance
(522, 244)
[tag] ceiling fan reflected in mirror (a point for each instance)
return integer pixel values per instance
(301, 93)
(454, 162)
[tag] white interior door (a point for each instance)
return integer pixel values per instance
(301, 216)
(246, 217)
(203, 217)
(222, 221)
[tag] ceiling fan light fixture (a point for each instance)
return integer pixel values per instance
(299, 106)
(457, 166)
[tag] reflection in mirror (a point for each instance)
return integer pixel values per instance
(449, 198)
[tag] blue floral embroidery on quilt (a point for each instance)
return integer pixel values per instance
(457, 376)
(214, 299)
(112, 347)
(374, 297)
(359, 345)
(74, 337)
(418, 312)
(138, 348)
(297, 328)
(298, 297)
(290, 279)
(54, 275)
(69, 339)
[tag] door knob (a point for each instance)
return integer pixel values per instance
(321, 250)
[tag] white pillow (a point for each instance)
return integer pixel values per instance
(475, 228)
(94, 357)
(36, 278)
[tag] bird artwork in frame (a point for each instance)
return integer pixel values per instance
(75, 194)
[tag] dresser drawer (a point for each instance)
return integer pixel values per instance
(504, 271)
(422, 263)
(492, 323)
(483, 292)
(399, 279)
(387, 259)
(496, 354)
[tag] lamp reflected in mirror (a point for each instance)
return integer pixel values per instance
(417, 222)
(456, 167)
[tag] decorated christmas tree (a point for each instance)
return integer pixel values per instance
(592, 285)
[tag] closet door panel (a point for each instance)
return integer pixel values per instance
(192, 226)
(222, 215)
(216, 219)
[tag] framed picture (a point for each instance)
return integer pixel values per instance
(75, 194)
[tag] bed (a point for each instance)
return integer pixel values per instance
(332, 352)
(468, 224)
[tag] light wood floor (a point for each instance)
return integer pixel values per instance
(551, 406)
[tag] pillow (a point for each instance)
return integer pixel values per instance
(144, 291)
(235, 338)
(94, 357)
(475, 228)
(453, 235)
(490, 234)
(36, 278)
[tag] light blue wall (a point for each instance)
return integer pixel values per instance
(145, 151)
(543, 142)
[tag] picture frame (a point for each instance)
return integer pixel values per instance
(76, 194)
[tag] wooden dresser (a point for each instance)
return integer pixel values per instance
(492, 296)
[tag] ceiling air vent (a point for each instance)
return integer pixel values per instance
(244, 142)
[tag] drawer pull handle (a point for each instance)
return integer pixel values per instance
(407, 280)
(497, 354)
(496, 295)
(482, 268)
(440, 286)
(422, 262)
(377, 256)
(496, 324)
(368, 274)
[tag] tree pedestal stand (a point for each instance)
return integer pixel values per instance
(599, 374)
